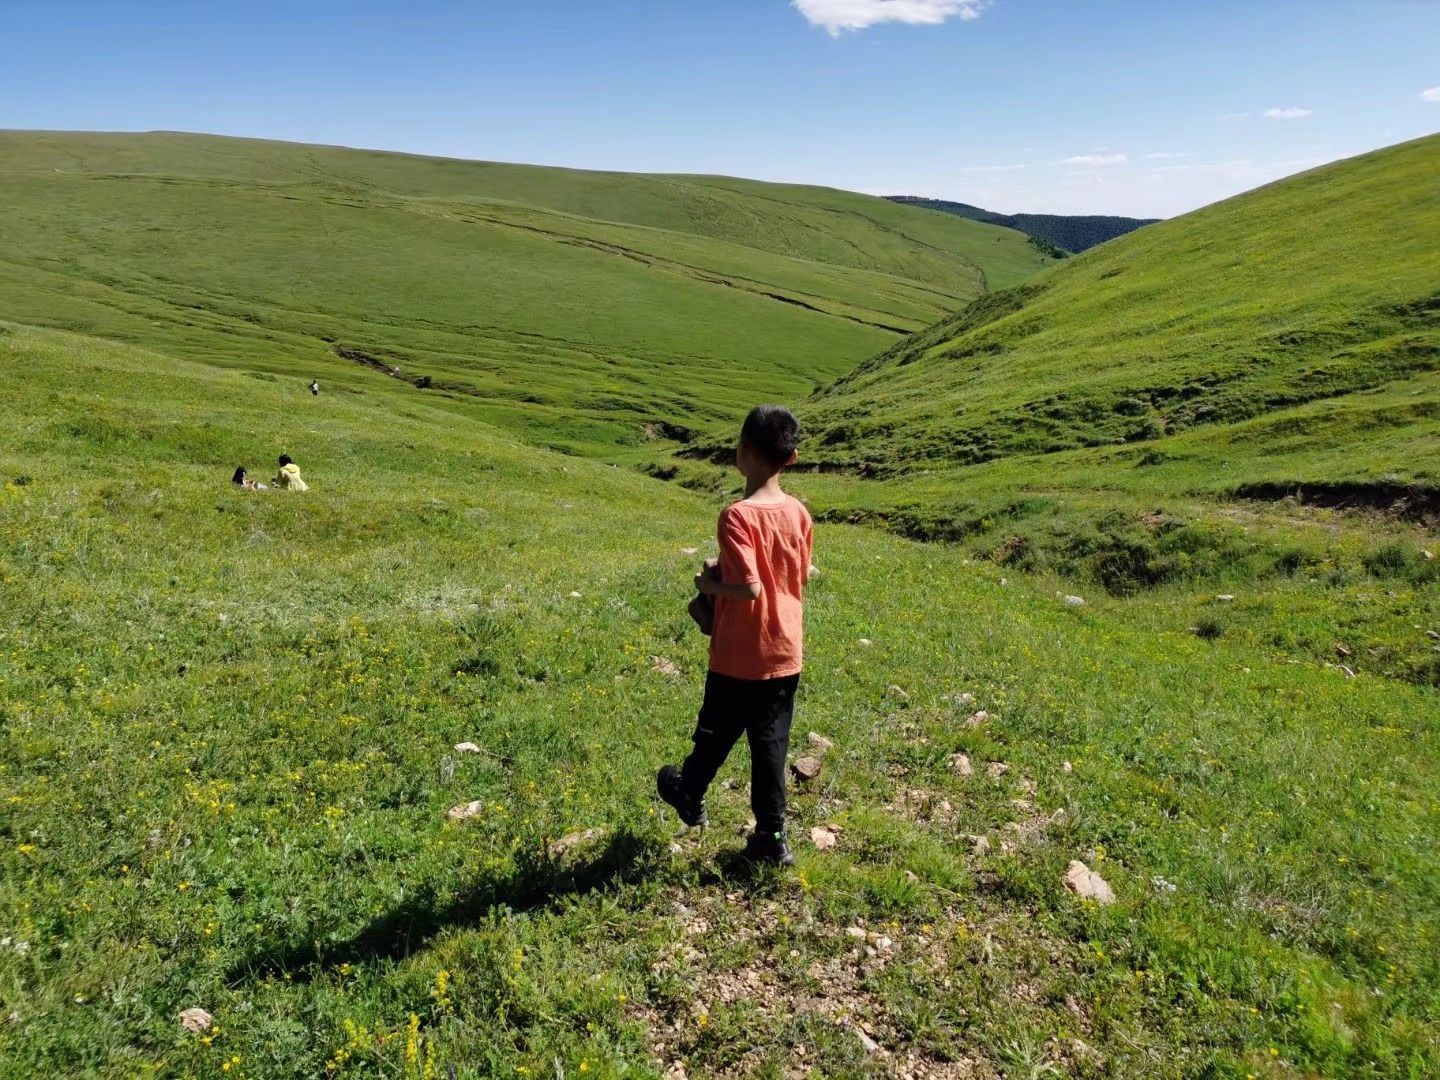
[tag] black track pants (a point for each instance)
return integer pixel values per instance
(762, 709)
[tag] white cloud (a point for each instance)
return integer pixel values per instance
(1433, 94)
(837, 15)
(1164, 157)
(1096, 159)
(1288, 114)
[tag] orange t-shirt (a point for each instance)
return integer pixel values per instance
(762, 639)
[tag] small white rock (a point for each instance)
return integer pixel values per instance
(1087, 884)
(866, 642)
(856, 932)
(1075, 601)
(466, 748)
(461, 811)
(819, 742)
(196, 1021)
(574, 595)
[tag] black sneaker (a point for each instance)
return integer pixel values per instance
(670, 788)
(768, 848)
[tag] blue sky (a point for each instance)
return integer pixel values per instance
(1143, 107)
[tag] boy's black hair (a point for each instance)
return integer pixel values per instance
(772, 432)
(285, 460)
(239, 477)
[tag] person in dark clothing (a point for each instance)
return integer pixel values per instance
(756, 640)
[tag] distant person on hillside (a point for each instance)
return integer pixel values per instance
(755, 638)
(242, 480)
(315, 387)
(288, 479)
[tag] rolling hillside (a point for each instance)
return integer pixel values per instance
(1070, 232)
(1313, 289)
(1244, 400)
(575, 307)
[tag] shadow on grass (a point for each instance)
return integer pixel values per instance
(534, 884)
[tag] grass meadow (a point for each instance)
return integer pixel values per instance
(229, 726)
(571, 307)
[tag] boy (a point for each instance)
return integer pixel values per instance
(755, 644)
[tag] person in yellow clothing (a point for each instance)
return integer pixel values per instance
(289, 476)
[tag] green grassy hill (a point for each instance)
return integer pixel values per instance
(576, 307)
(227, 731)
(1313, 288)
(1244, 399)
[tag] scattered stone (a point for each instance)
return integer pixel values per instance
(805, 769)
(819, 742)
(1349, 674)
(196, 1021)
(1087, 884)
(466, 748)
(856, 932)
(895, 691)
(825, 837)
(574, 595)
(996, 769)
(1226, 598)
(461, 811)
(1341, 650)
(676, 1072)
(1075, 601)
(871, 1046)
(866, 642)
(690, 551)
(1066, 767)
(980, 845)
(664, 666)
(960, 763)
(573, 840)
(963, 699)
(976, 719)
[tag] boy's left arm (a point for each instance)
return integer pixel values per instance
(711, 586)
(737, 562)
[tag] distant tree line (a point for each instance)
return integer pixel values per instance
(1071, 234)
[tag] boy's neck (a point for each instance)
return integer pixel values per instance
(767, 487)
